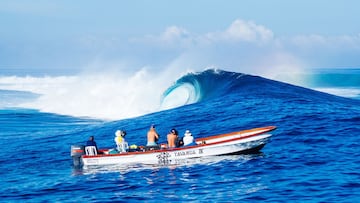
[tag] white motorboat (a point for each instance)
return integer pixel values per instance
(241, 142)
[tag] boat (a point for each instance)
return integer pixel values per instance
(240, 142)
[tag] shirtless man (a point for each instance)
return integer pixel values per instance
(172, 138)
(152, 136)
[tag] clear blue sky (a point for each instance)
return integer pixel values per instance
(70, 36)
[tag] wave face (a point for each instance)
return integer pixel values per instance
(312, 156)
(210, 84)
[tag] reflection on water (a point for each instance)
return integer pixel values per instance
(125, 168)
(219, 177)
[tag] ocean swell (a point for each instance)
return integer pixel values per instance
(217, 84)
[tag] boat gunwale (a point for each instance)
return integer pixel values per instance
(263, 130)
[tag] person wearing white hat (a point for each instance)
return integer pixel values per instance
(188, 138)
(121, 144)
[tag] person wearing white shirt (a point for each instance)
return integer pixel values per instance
(121, 144)
(188, 138)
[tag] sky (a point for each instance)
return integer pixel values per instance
(251, 36)
(102, 58)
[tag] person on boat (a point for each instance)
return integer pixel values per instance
(188, 138)
(152, 137)
(121, 144)
(91, 142)
(172, 138)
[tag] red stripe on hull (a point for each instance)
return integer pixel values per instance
(263, 130)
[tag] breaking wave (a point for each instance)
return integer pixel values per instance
(117, 96)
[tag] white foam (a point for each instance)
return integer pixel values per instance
(343, 92)
(106, 95)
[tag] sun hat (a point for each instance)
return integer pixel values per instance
(187, 133)
(118, 133)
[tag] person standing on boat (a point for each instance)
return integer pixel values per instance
(172, 138)
(121, 144)
(152, 137)
(188, 138)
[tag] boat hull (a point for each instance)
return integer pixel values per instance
(233, 143)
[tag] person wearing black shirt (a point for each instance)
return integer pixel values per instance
(91, 142)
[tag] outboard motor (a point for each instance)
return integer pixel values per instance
(76, 152)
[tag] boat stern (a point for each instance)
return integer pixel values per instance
(76, 152)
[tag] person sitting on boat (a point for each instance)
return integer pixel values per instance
(152, 137)
(188, 138)
(172, 138)
(91, 144)
(121, 144)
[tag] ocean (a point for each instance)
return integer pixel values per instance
(313, 155)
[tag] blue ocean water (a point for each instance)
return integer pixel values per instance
(313, 155)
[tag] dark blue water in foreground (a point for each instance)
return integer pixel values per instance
(313, 155)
